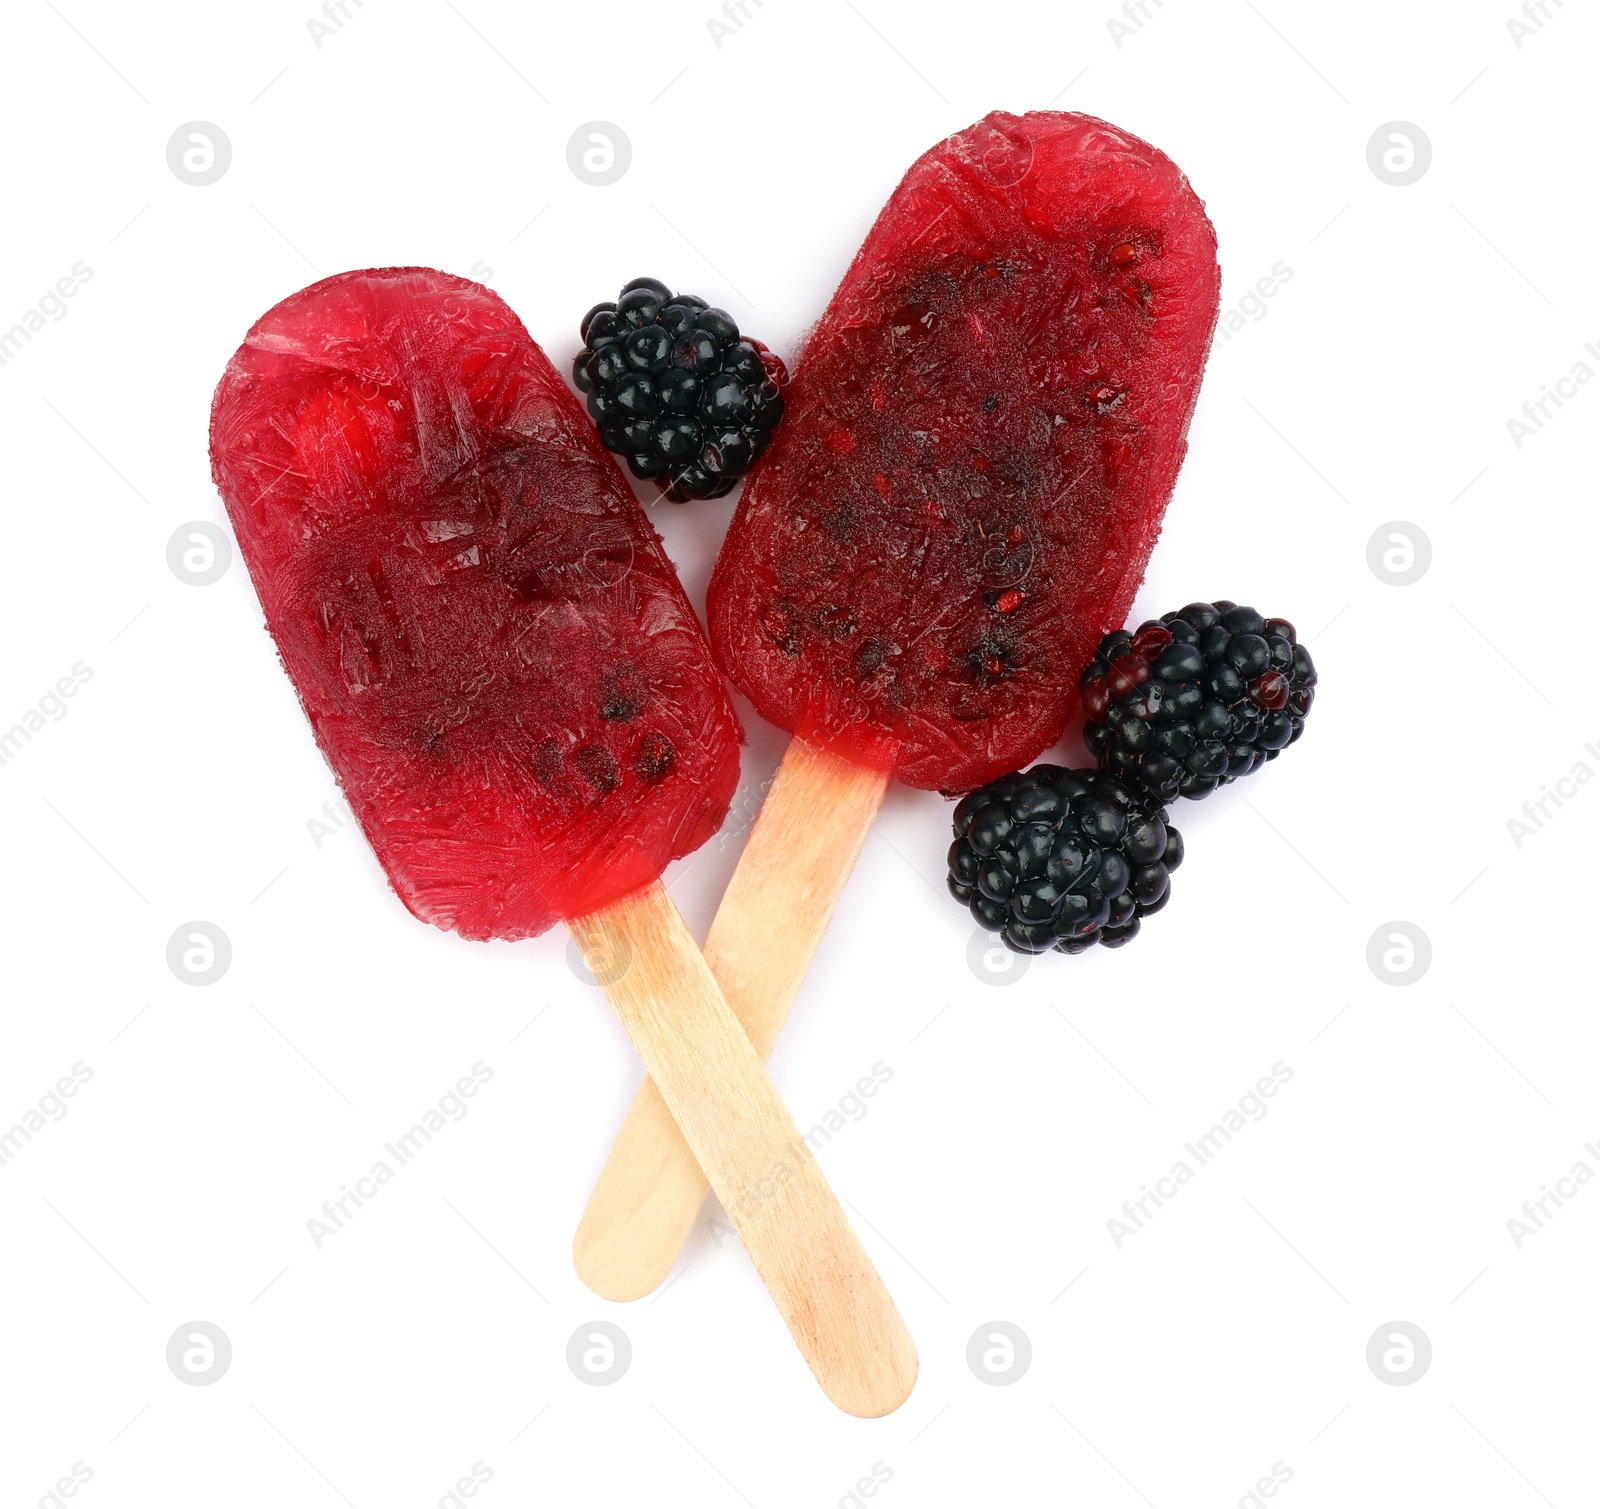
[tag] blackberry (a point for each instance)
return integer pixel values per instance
(677, 390)
(1063, 859)
(1195, 699)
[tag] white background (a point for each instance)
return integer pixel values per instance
(1228, 1335)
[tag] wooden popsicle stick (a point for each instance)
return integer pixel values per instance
(716, 1089)
(772, 917)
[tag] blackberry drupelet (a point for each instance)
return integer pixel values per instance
(1195, 699)
(677, 390)
(1063, 859)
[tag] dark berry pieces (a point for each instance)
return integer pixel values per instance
(676, 390)
(1062, 859)
(1195, 699)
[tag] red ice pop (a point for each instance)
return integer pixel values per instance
(493, 649)
(500, 665)
(980, 439)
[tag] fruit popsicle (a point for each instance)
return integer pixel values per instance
(981, 436)
(498, 661)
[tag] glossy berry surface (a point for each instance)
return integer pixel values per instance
(1196, 698)
(492, 647)
(983, 430)
(1061, 859)
(676, 390)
